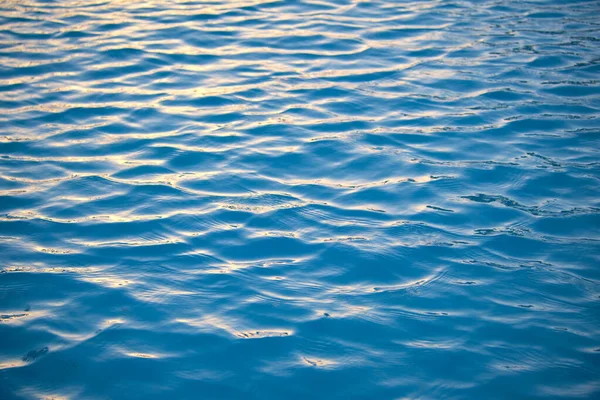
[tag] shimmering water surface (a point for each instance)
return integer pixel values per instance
(299, 199)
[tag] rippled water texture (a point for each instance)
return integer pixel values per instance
(299, 199)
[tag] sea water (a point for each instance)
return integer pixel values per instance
(299, 199)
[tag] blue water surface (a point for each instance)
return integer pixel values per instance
(299, 199)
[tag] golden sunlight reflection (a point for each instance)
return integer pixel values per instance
(213, 322)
